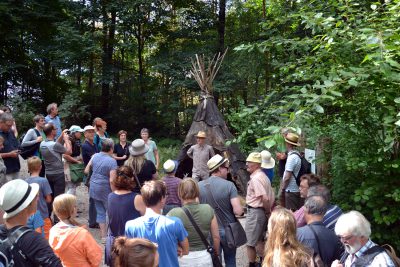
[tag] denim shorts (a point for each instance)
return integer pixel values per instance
(101, 209)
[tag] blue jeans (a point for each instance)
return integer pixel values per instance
(229, 253)
(101, 210)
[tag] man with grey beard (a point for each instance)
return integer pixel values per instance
(354, 231)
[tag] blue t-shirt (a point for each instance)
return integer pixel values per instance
(269, 173)
(165, 231)
(102, 164)
(44, 190)
(150, 154)
(56, 122)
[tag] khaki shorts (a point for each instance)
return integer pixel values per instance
(256, 225)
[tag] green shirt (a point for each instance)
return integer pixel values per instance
(202, 215)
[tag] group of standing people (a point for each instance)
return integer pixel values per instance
(147, 221)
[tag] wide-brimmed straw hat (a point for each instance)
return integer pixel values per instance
(16, 195)
(254, 157)
(215, 162)
(267, 161)
(138, 147)
(201, 134)
(170, 166)
(292, 138)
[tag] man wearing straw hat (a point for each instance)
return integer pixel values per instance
(200, 153)
(18, 200)
(289, 189)
(259, 199)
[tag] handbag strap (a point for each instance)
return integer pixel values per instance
(215, 205)
(316, 237)
(196, 227)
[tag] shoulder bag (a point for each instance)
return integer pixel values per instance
(234, 233)
(209, 248)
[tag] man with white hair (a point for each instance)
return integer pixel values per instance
(354, 231)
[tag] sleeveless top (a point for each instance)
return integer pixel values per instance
(121, 209)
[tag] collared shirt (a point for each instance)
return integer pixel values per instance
(257, 187)
(200, 156)
(88, 150)
(382, 259)
(331, 216)
(293, 164)
(56, 122)
(299, 216)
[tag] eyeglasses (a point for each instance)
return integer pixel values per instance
(345, 238)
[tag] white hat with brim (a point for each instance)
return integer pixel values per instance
(267, 161)
(76, 128)
(170, 166)
(215, 162)
(138, 147)
(88, 127)
(16, 195)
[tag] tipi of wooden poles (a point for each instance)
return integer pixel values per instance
(210, 120)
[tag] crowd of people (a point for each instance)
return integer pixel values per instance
(147, 220)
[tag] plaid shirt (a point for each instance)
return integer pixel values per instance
(380, 260)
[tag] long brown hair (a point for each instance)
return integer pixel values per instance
(136, 163)
(282, 242)
(133, 252)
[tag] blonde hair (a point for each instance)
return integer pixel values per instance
(136, 163)
(282, 242)
(188, 189)
(133, 252)
(34, 164)
(64, 206)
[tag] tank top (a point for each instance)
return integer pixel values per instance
(121, 209)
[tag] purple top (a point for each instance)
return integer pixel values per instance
(299, 216)
(172, 184)
(102, 164)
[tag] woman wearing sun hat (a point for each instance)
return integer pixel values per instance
(172, 184)
(143, 169)
(267, 164)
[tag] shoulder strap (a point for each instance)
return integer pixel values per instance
(215, 205)
(37, 132)
(137, 181)
(294, 152)
(203, 238)
(368, 256)
(14, 236)
(316, 237)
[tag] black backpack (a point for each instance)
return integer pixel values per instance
(305, 167)
(9, 246)
(29, 151)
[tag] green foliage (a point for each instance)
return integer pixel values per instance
(72, 110)
(336, 75)
(23, 112)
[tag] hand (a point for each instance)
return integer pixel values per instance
(124, 156)
(14, 153)
(336, 264)
(39, 139)
(280, 155)
(180, 251)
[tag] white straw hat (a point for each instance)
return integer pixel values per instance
(215, 162)
(268, 161)
(254, 157)
(16, 195)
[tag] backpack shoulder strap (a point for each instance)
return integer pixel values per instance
(37, 132)
(316, 237)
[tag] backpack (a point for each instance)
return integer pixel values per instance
(305, 167)
(8, 245)
(29, 151)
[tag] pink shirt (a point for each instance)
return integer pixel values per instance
(258, 186)
(299, 216)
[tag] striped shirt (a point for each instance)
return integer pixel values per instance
(172, 184)
(293, 164)
(331, 216)
(381, 260)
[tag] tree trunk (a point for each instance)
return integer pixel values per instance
(323, 154)
(105, 85)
